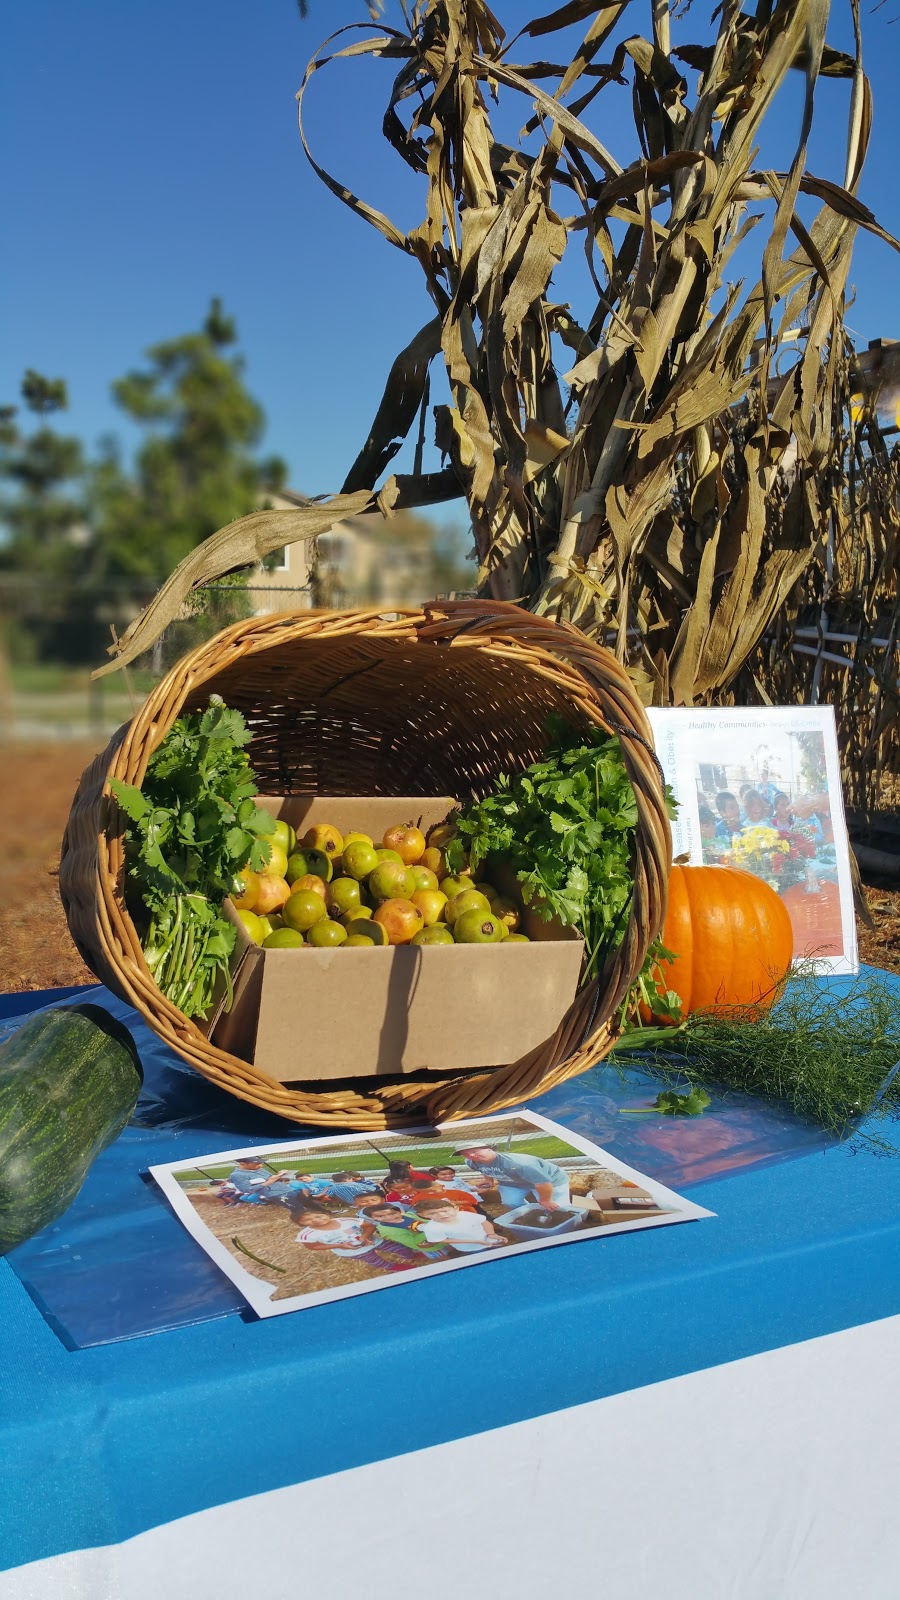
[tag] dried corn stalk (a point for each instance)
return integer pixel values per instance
(678, 487)
(837, 639)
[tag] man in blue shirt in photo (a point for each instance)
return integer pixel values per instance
(519, 1176)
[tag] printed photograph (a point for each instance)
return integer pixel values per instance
(299, 1224)
(760, 790)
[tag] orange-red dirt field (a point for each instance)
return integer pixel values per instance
(36, 951)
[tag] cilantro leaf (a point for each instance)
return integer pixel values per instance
(672, 1104)
(131, 800)
(238, 844)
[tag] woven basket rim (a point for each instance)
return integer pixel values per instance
(593, 682)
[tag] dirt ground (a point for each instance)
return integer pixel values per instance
(880, 946)
(39, 781)
(36, 951)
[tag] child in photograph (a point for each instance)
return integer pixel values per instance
(395, 1226)
(782, 815)
(707, 823)
(402, 1172)
(348, 1187)
(306, 1186)
(466, 1231)
(431, 1189)
(397, 1185)
(353, 1236)
(401, 1191)
(729, 815)
(711, 842)
(452, 1178)
(767, 786)
(756, 809)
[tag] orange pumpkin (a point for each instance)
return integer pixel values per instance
(733, 938)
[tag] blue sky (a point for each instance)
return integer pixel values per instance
(151, 160)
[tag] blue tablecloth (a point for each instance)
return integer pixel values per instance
(100, 1444)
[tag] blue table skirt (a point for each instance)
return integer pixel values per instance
(101, 1444)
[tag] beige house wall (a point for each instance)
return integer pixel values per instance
(284, 587)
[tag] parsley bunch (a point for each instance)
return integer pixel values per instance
(193, 825)
(566, 826)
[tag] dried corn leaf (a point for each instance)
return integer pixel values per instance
(703, 489)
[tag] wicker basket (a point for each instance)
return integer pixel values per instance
(438, 700)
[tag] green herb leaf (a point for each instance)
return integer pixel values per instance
(673, 1104)
(260, 854)
(130, 799)
(566, 826)
(238, 844)
(192, 827)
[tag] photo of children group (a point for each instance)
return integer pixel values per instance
(781, 791)
(760, 790)
(298, 1225)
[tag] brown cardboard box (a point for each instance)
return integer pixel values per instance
(302, 1015)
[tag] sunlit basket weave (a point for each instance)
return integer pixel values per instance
(433, 701)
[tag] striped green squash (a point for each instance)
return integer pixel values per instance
(69, 1081)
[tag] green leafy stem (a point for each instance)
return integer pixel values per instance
(192, 827)
(669, 1103)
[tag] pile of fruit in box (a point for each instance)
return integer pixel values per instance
(557, 837)
(330, 891)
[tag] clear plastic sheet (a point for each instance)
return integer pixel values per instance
(734, 1133)
(118, 1264)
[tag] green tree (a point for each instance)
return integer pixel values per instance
(86, 542)
(41, 485)
(197, 467)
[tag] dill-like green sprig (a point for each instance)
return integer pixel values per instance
(826, 1056)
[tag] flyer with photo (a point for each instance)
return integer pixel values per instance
(760, 788)
(298, 1224)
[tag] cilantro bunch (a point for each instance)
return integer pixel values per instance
(566, 826)
(193, 825)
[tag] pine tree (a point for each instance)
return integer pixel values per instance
(197, 467)
(41, 502)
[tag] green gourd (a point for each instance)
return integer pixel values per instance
(69, 1081)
